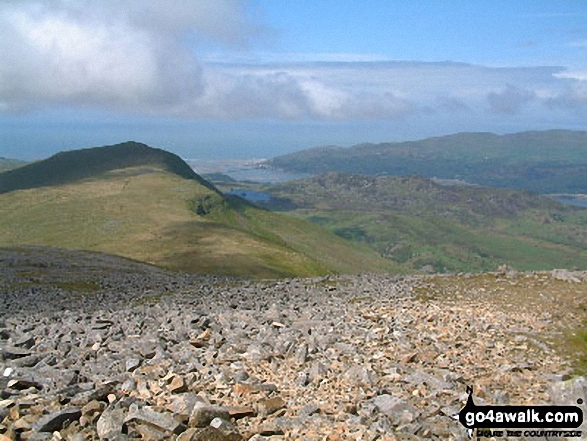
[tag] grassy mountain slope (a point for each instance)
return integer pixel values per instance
(149, 213)
(419, 223)
(75, 165)
(9, 164)
(553, 161)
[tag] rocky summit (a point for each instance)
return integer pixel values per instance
(97, 347)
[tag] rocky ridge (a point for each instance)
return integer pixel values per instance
(97, 347)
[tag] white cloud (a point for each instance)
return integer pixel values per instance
(137, 57)
(510, 100)
(572, 74)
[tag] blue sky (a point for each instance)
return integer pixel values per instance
(241, 79)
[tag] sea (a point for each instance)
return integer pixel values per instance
(250, 170)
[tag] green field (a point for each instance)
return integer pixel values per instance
(151, 215)
(423, 225)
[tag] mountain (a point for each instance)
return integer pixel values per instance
(553, 161)
(9, 164)
(76, 165)
(440, 226)
(147, 204)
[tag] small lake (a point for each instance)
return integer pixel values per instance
(250, 195)
(570, 200)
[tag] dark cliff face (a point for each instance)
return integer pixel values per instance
(75, 165)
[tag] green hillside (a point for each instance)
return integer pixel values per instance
(422, 224)
(552, 161)
(176, 220)
(9, 164)
(75, 165)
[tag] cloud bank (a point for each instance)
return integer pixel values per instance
(141, 57)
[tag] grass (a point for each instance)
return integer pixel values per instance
(420, 225)
(152, 217)
(577, 346)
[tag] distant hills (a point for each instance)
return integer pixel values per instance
(147, 204)
(553, 161)
(8, 164)
(421, 224)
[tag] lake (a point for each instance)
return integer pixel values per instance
(572, 200)
(250, 195)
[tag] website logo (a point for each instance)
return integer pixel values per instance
(521, 417)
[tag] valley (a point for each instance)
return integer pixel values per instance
(142, 300)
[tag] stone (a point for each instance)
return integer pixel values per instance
(11, 353)
(301, 355)
(57, 420)
(202, 414)
(571, 393)
(358, 375)
(177, 385)
(128, 386)
(150, 433)
(317, 372)
(110, 423)
(238, 412)
(93, 407)
(188, 435)
(213, 434)
(223, 425)
(22, 384)
(28, 361)
(565, 276)
(25, 341)
(271, 405)
(183, 404)
(309, 409)
(161, 421)
(419, 377)
(395, 408)
(131, 364)
(243, 388)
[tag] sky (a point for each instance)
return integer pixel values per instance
(259, 78)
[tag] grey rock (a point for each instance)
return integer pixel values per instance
(128, 386)
(309, 409)
(182, 405)
(11, 353)
(159, 420)
(57, 420)
(395, 408)
(358, 374)
(22, 384)
(28, 361)
(110, 423)
(202, 414)
(301, 354)
(240, 377)
(301, 379)
(317, 372)
(420, 377)
(572, 393)
(131, 364)
(226, 427)
(566, 275)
